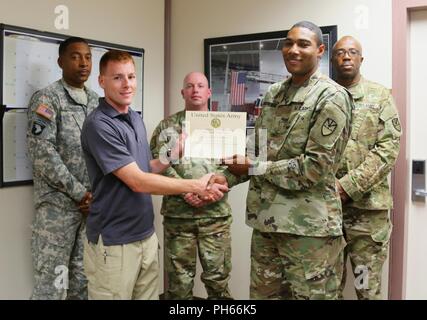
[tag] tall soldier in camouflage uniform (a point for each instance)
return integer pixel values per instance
(189, 223)
(368, 159)
(292, 204)
(61, 186)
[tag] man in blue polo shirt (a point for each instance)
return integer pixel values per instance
(121, 257)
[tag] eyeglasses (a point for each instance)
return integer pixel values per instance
(340, 53)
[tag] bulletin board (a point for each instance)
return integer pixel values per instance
(28, 59)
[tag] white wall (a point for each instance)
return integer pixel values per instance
(416, 254)
(138, 23)
(195, 20)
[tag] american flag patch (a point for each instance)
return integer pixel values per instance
(44, 111)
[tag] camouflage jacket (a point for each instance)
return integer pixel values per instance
(307, 130)
(55, 119)
(175, 206)
(372, 148)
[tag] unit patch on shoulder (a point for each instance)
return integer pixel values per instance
(396, 124)
(292, 164)
(44, 111)
(38, 127)
(329, 127)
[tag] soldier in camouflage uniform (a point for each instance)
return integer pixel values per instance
(189, 223)
(61, 186)
(368, 159)
(292, 203)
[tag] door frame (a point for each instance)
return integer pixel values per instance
(401, 10)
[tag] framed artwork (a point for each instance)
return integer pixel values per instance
(241, 68)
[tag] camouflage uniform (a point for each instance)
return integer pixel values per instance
(368, 159)
(55, 118)
(294, 207)
(188, 228)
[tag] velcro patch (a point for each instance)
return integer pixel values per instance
(396, 124)
(329, 127)
(38, 127)
(44, 111)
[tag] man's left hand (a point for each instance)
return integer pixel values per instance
(85, 203)
(194, 200)
(343, 195)
(237, 165)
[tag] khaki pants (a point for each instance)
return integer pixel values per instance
(123, 272)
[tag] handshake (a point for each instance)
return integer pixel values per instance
(215, 185)
(212, 189)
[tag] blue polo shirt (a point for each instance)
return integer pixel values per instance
(109, 142)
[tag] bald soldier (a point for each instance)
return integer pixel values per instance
(192, 225)
(292, 206)
(362, 178)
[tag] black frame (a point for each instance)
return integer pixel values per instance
(249, 45)
(54, 37)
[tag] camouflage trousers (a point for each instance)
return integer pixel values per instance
(211, 237)
(286, 266)
(57, 252)
(367, 249)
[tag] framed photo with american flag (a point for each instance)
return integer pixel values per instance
(240, 68)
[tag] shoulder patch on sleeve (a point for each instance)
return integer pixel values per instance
(44, 111)
(38, 127)
(396, 124)
(328, 127)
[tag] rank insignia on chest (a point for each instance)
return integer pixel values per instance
(328, 127)
(44, 111)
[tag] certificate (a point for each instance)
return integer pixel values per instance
(214, 135)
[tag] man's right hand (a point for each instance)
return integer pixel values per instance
(215, 191)
(217, 178)
(85, 203)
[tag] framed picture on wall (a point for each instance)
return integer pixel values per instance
(241, 68)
